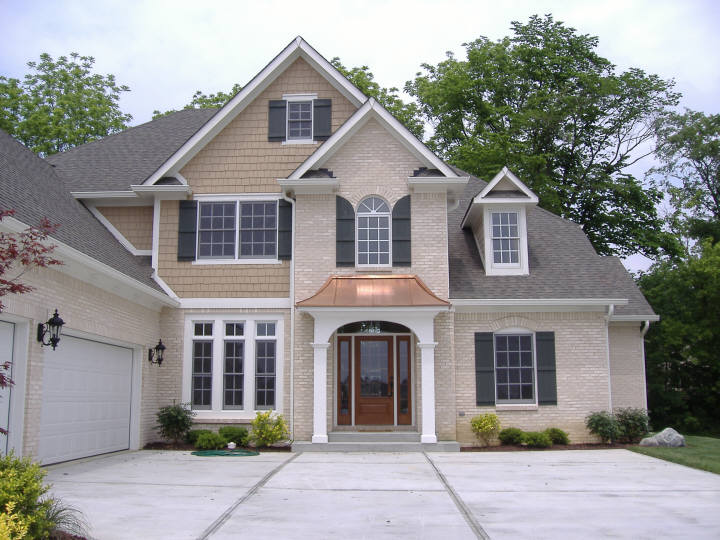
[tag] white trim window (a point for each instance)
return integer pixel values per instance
(514, 368)
(505, 238)
(373, 230)
(505, 241)
(202, 364)
(265, 365)
(299, 120)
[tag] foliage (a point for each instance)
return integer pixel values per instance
(193, 434)
(604, 425)
(634, 424)
(22, 486)
(557, 435)
(485, 427)
(12, 525)
(700, 453)
(200, 100)
(681, 350)
(544, 103)
(537, 439)
(268, 429)
(66, 519)
(174, 421)
(61, 104)
(210, 441)
(238, 435)
(511, 436)
(407, 113)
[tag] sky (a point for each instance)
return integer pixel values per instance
(166, 50)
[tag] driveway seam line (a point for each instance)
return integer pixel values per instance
(459, 503)
(215, 525)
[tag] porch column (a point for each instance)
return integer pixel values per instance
(320, 393)
(427, 352)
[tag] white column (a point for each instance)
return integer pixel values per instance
(427, 352)
(320, 393)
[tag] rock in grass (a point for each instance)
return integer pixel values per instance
(667, 437)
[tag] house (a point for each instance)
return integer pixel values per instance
(299, 250)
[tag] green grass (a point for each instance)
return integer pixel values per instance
(700, 453)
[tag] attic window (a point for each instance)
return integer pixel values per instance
(505, 238)
(299, 120)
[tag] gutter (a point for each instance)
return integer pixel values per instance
(611, 311)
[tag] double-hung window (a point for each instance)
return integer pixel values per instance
(373, 232)
(505, 238)
(299, 120)
(514, 368)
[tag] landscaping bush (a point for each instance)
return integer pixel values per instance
(193, 434)
(537, 439)
(174, 421)
(267, 429)
(557, 435)
(511, 436)
(633, 424)
(485, 427)
(238, 435)
(22, 499)
(604, 425)
(210, 441)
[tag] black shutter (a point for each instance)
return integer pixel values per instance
(401, 232)
(484, 369)
(284, 229)
(277, 121)
(187, 230)
(344, 233)
(547, 386)
(322, 115)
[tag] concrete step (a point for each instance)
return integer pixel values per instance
(374, 436)
(442, 446)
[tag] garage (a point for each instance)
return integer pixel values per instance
(7, 334)
(86, 403)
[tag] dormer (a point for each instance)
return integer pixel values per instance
(498, 219)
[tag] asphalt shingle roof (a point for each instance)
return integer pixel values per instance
(129, 157)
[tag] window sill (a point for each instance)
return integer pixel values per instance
(235, 261)
(516, 407)
(373, 268)
(299, 141)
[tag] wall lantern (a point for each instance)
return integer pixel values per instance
(155, 355)
(49, 333)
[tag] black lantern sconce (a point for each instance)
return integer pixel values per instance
(155, 355)
(49, 333)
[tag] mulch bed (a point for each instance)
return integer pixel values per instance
(503, 448)
(161, 445)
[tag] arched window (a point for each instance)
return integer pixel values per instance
(373, 232)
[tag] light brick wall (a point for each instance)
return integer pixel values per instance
(581, 364)
(135, 223)
(627, 366)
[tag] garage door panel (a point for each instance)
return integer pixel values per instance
(86, 400)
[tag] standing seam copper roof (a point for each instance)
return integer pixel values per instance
(374, 291)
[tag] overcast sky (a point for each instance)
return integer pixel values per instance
(166, 50)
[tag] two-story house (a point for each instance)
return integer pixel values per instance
(300, 250)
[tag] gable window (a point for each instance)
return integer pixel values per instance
(505, 238)
(373, 232)
(299, 120)
(514, 368)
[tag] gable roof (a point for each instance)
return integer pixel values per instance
(118, 161)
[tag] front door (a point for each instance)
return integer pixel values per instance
(374, 380)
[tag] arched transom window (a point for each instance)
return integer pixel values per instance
(373, 232)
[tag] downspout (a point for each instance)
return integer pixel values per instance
(292, 320)
(643, 331)
(611, 312)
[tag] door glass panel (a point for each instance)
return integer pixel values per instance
(403, 378)
(345, 376)
(374, 369)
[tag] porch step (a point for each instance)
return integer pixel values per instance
(442, 446)
(373, 436)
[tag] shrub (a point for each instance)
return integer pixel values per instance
(690, 424)
(485, 427)
(238, 435)
(193, 434)
(11, 524)
(66, 520)
(511, 436)
(210, 441)
(174, 421)
(633, 424)
(267, 429)
(557, 435)
(537, 439)
(22, 496)
(604, 425)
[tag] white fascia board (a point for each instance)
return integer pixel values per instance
(166, 193)
(506, 173)
(438, 184)
(103, 194)
(310, 186)
(297, 48)
(634, 318)
(465, 305)
(235, 303)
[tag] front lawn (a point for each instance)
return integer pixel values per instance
(700, 453)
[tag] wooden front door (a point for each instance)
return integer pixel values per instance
(374, 380)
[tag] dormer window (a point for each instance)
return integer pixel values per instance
(505, 238)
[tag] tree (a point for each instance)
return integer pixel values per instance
(545, 104)
(407, 113)
(61, 104)
(200, 100)
(682, 350)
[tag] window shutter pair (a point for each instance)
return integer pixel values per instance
(485, 368)
(345, 232)
(277, 120)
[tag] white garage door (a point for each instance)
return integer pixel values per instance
(7, 331)
(86, 400)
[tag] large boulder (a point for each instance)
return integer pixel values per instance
(667, 437)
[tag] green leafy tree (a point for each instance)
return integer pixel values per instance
(544, 103)
(683, 349)
(60, 104)
(200, 100)
(362, 77)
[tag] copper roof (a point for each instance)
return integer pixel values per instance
(373, 291)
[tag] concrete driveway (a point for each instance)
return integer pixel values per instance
(558, 494)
